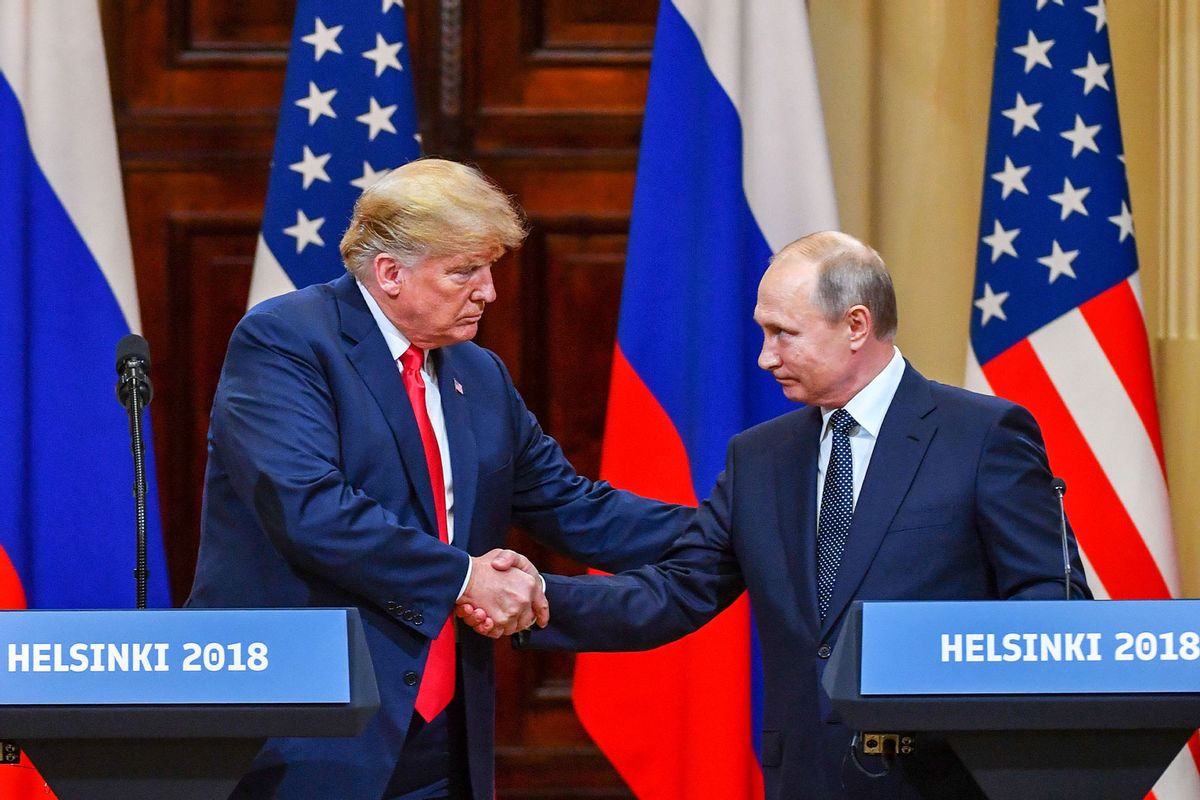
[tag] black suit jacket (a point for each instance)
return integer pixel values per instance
(956, 505)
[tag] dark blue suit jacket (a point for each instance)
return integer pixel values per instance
(317, 494)
(956, 504)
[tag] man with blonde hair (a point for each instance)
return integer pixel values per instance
(363, 452)
(887, 486)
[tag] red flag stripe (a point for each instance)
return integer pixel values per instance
(642, 451)
(12, 592)
(1115, 318)
(1093, 393)
(1101, 523)
(677, 756)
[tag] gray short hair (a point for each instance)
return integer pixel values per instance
(849, 273)
(428, 208)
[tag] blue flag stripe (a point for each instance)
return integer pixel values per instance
(66, 516)
(695, 256)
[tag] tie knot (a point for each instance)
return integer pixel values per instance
(841, 422)
(412, 359)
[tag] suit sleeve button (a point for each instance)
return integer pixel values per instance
(392, 606)
(824, 651)
(410, 678)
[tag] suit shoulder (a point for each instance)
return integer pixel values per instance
(771, 431)
(302, 303)
(307, 314)
(481, 364)
(965, 403)
(299, 326)
(470, 356)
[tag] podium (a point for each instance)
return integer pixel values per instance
(175, 703)
(1039, 699)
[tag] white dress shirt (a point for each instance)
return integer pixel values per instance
(398, 344)
(868, 408)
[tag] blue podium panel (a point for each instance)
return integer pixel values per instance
(168, 657)
(1031, 648)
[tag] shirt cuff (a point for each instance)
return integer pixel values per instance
(467, 579)
(470, 565)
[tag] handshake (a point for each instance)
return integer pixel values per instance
(503, 596)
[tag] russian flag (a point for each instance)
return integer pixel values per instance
(733, 166)
(67, 525)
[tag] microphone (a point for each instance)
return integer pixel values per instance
(134, 391)
(1060, 488)
(133, 367)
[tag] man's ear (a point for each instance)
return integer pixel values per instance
(860, 325)
(388, 273)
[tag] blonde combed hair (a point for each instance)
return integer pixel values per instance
(430, 208)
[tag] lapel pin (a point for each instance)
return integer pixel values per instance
(458, 387)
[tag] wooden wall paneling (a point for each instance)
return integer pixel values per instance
(194, 251)
(218, 26)
(440, 129)
(551, 102)
(204, 299)
(196, 89)
(569, 95)
(611, 29)
(583, 276)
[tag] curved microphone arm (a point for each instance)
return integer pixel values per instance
(135, 392)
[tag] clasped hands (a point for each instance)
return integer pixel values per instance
(503, 596)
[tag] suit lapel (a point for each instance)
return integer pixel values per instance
(464, 462)
(903, 440)
(369, 354)
(796, 501)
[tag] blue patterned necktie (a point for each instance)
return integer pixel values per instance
(837, 507)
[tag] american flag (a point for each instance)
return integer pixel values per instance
(1057, 322)
(348, 116)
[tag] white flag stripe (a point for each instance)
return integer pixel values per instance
(1135, 283)
(783, 131)
(38, 56)
(268, 278)
(975, 380)
(1109, 422)
(1181, 780)
(1093, 579)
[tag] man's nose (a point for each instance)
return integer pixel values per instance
(768, 359)
(485, 288)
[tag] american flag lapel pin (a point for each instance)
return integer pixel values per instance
(458, 387)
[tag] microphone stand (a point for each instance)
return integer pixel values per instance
(131, 384)
(1060, 489)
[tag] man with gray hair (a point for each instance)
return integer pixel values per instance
(363, 452)
(887, 486)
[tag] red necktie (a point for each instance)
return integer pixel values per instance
(437, 687)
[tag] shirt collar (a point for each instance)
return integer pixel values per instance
(870, 405)
(397, 342)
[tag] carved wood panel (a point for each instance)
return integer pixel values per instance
(545, 96)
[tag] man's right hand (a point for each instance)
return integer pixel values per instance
(504, 595)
